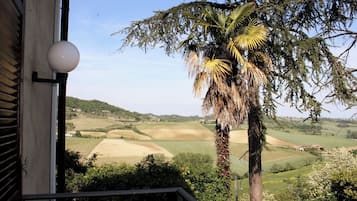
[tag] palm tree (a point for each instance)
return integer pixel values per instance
(228, 68)
(299, 59)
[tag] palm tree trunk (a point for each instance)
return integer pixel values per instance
(222, 149)
(255, 140)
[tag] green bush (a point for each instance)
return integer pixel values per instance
(194, 162)
(343, 125)
(335, 178)
(344, 184)
(77, 134)
(276, 168)
(69, 126)
(201, 176)
(76, 167)
(193, 172)
(151, 172)
(351, 134)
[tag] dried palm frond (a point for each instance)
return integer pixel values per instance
(192, 60)
(253, 75)
(201, 80)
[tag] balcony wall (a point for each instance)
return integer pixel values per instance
(40, 26)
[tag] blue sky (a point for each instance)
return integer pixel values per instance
(148, 82)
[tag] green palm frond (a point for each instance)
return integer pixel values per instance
(217, 68)
(252, 37)
(211, 15)
(222, 19)
(235, 52)
(185, 42)
(201, 80)
(238, 15)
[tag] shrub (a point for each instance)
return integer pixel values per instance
(351, 134)
(193, 172)
(279, 168)
(344, 184)
(193, 161)
(76, 167)
(343, 125)
(288, 167)
(275, 168)
(69, 126)
(77, 134)
(201, 177)
(151, 172)
(324, 183)
(267, 196)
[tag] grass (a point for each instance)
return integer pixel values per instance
(332, 128)
(126, 134)
(276, 183)
(117, 160)
(276, 155)
(87, 123)
(93, 134)
(298, 138)
(176, 147)
(176, 131)
(82, 145)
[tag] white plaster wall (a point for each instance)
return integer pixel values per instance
(36, 98)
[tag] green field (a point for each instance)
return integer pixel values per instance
(299, 138)
(82, 145)
(275, 183)
(121, 136)
(192, 136)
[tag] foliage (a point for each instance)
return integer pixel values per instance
(323, 184)
(97, 107)
(178, 118)
(194, 162)
(279, 168)
(69, 126)
(293, 65)
(343, 125)
(344, 184)
(77, 134)
(299, 44)
(74, 161)
(101, 109)
(199, 174)
(351, 134)
(267, 196)
(75, 165)
(354, 152)
(153, 172)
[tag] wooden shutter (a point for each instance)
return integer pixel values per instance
(11, 12)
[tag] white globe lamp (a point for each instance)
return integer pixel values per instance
(63, 56)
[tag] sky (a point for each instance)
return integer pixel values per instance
(145, 82)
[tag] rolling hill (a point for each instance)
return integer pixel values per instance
(103, 109)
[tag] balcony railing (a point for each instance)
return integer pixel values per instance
(181, 194)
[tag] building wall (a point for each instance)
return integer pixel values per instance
(36, 98)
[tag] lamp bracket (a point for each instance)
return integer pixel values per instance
(35, 78)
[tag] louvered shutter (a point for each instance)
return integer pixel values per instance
(11, 12)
